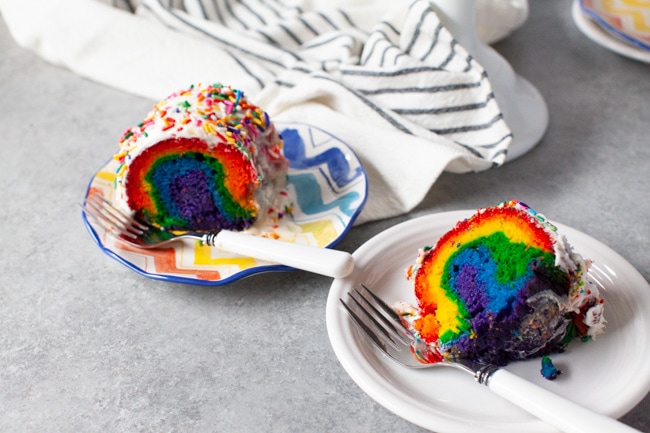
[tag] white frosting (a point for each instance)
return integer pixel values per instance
(216, 115)
(583, 294)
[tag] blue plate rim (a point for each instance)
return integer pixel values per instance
(243, 273)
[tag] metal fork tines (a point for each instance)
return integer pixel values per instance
(382, 324)
(112, 219)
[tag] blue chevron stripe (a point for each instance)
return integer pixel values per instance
(333, 157)
(310, 203)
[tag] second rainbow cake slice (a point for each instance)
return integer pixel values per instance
(500, 286)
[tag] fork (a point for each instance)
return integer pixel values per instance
(138, 233)
(385, 328)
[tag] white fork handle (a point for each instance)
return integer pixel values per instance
(324, 261)
(565, 415)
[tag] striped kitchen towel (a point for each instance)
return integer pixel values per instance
(385, 77)
(407, 68)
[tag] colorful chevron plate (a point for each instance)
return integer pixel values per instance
(628, 20)
(329, 188)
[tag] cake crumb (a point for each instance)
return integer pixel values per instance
(548, 369)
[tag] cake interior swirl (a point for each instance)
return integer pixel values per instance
(502, 285)
(204, 159)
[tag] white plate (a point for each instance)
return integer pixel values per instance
(328, 186)
(597, 34)
(610, 375)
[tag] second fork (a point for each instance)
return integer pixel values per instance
(383, 326)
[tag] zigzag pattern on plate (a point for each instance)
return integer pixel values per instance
(335, 160)
(329, 188)
(313, 204)
(628, 19)
(328, 166)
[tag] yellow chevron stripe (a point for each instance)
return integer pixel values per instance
(636, 3)
(203, 257)
(322, 230)
(636, 15)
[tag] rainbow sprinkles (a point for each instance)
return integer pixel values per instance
(205, 158)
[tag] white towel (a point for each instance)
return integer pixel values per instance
(385, 77)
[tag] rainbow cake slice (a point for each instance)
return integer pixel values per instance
(204, 159)
(502, 285)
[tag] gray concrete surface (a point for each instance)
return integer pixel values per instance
(88, 345)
